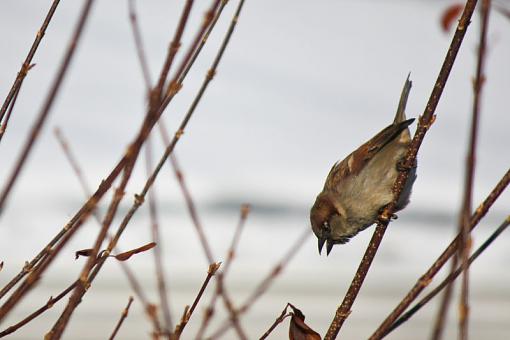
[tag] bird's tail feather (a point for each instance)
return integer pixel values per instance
(401, 111)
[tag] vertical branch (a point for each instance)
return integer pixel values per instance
(27, 64)
(470, 169)
(50, 98)
(158, 261)
(139, 44)
(426, 120)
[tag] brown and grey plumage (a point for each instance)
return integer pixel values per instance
(358, 187)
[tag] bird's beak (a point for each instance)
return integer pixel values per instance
(329, 246)
(321, 244)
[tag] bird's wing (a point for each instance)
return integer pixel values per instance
(355, 162)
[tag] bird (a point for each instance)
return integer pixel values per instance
(359, 187)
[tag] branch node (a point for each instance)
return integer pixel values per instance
(213, 267)
(210, 74)
(139, 199)
(179, 133)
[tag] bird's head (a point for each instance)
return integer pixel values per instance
(327, 218)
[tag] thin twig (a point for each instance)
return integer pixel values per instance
(444, 305)
(192, 210)
(425, 121)
(158, 261)
(140, 51)
(450, 278)
(51, 302)
(133, 281)
(85, 278)
(3, 127)
(123, 316)
(278, 321)
(175, 45)
(464, 249)
(50, 251)
(28, 60)
(50, 98)
(189, 311)
(427, 278)
(263, 286)
(220, 287)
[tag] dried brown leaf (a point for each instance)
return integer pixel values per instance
(451, 13)
(127, 254)
(298, 329)
(83, 252)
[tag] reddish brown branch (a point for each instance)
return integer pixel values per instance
(49, 253)
(3, 127)
(426, 278)
(192, 210)
(133, 281)
(278, 321)
(50, 98)
(174, 47)
(465, 246)
(123, 316)
(133, 151)
(158, 261)
(140, 51)
(189, 311)
(51, 302)
(450, 278)
(220, 289)
(263, 286)
(15, 88)
(425, 121)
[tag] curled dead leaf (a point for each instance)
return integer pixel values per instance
(298, 329)
(83, 252)
(127, 254)
(449, 15)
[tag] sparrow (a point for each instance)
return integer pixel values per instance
(359, 187)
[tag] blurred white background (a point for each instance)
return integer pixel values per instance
(300, 86)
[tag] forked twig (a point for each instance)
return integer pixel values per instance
(278, 321)
(425, 121)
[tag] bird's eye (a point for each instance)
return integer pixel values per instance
(326, 226)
